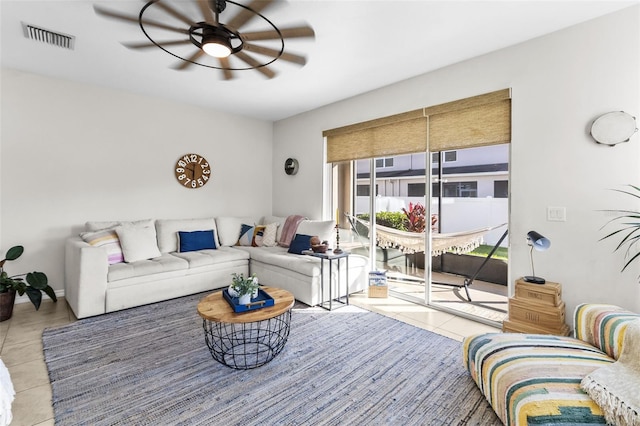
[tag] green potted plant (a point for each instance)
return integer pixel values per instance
(630, 231)
(32, 283)
(244, 288)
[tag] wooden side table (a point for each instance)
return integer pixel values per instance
(248, 339)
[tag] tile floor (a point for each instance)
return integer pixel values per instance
(21, 346)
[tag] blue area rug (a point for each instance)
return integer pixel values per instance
(150, 366)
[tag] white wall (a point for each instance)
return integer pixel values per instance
(72, 153)
(560, 83)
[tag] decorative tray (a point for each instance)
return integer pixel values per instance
(262, 301)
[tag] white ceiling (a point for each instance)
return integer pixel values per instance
(360, 45)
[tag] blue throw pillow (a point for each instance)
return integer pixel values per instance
(196, 240)
(300, 242)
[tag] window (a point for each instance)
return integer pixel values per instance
(435, 190)
(384, 162)
(460, 189)
(435, 157)
(450, 156)
(416, 190)
(363, 190)
(501, 189)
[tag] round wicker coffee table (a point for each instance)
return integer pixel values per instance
(248, 339)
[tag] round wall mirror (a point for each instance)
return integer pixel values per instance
(613, 128)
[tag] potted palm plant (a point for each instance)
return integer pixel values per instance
(32, 283)
(630, 230)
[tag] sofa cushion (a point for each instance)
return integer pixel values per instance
(229, 228)
(324, 229)
(300, 243)
(138, 242)
(99, 225)
(196, 240)
(197, 259)
(167, 230)
(279, 257)
(157, 265)
(107, 238)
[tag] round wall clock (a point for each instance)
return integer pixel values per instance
(291, 166)
(613, 128)
(192, 171)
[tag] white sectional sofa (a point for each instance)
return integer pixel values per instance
(118, 265)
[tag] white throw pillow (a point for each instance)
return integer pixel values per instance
(138, 242)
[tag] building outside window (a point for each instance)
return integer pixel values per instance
(363, 190)
(501, 189)
(384, 162)
(416, 190)
(460, 189)
(450, 156)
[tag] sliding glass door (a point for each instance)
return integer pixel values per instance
(425, 189)
(461, 224)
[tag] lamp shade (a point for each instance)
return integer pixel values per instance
(538, 242)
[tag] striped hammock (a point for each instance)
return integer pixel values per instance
(412, 242)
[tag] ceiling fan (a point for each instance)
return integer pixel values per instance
(219, 40)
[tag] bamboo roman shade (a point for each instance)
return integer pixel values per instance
(477, 121)
(397, 134)
(478, 125)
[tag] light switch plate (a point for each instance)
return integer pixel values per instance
(556, 214)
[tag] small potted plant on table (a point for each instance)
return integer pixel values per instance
(33, 284)
(244, 288)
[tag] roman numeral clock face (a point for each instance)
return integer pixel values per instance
(192, 171)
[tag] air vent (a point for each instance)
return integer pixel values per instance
(47, 36)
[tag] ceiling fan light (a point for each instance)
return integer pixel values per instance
(216, 45)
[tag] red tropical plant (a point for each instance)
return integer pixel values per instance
(415, 217)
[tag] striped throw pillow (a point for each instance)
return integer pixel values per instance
(108, 239)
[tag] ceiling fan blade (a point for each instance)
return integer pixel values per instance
(134, 19)
(207, 13)
(290, 57)
(186, 63)
(175, 13)
(253, 63)
(148, 44)
(245, 15)
(294, 32)
(225, 64)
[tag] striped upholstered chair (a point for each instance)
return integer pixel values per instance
(535, 379)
